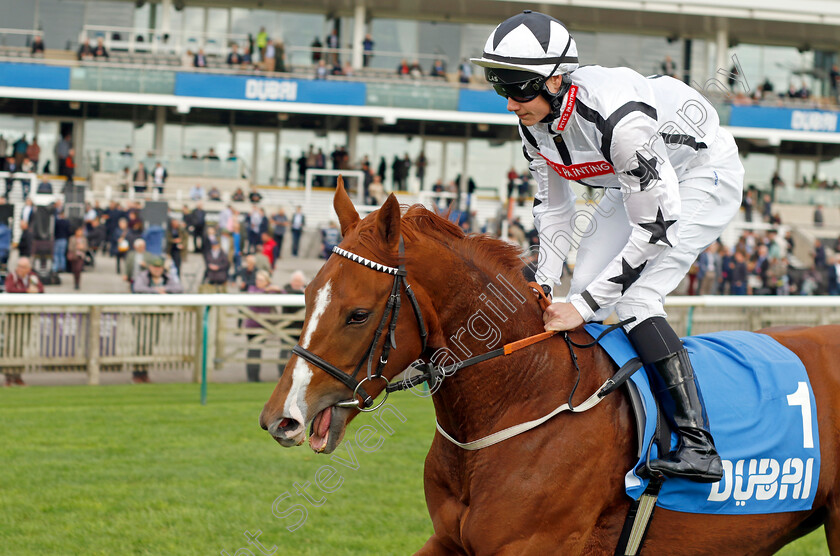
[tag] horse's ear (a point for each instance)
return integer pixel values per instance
(347, 215)
(388, 222)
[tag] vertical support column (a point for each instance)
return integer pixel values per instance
(199, 344)
(166, 23)
(94, 329)
(721, 46)
(352, 137)
(160, 123)
(359, 16)
(686, 63)
(204, 26)
(465, 178)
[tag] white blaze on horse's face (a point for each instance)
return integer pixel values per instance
(302, 373)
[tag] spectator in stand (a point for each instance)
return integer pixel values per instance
(140, 178)
(262, 42)
(136, 262)
(232, 156)
(279, 222)
(298, 221)
(38, 47)
(668, 67)
(834, 275)
(196, 192)
(61, 235)
(153, 280)
(321, 70)
(257, 224)
(820, 256)
(24, 244)
(120, 245)
(247, 275)
(438, 69)
(766, 207)
(317, 52)
(376, 190)
(85, 51)
(200, 60)
(211, 155)
(268, 54)
(234, 58)
(214, 194)
(415, 70)
(19, 148)
(262, 285)
(739, 274)
(33, 153)
(22, 280)
(834, 80)
(247, 61)
(254, 196)
(748, 203)
(77, 248)
(238, 196)
(296, 286)
(367, 48)
(420, 167)
(403, 68)
(70, 164)
(96, 236)
(177, 243)
(333, 44)
(280, 57)
(464, 71)
(218, 265)
(193, 155)
(100, 51)
(198, 219)
(819, 219)
(330, 237)
(268, 248)
(159, 175)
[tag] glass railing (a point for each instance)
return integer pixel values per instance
(413, 95)
(114, 162)
(123, 80)
(825, 197)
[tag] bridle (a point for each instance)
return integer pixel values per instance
(361, 399)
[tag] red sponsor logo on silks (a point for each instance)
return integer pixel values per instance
(570, 105)
(581, 171)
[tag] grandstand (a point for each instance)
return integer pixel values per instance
(167, 92)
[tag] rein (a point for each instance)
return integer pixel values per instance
(432, 374)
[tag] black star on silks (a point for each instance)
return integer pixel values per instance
(628, 275)
(539, 26)
(646, 172)
(658, 228)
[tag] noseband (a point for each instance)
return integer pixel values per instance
(361, 399)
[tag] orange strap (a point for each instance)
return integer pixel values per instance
(525, 342)
(544, 302)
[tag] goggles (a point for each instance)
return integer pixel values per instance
(520, 92)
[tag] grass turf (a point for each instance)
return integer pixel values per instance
(145, 469)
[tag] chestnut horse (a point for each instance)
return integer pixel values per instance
(556, 489)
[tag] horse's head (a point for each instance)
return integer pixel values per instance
(346, 332)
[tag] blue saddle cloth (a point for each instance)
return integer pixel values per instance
(763, 418)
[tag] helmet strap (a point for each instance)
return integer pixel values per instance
(555, 100)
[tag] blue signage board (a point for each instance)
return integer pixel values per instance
(481, 101)
(244, 87)
(784, 118)
(34, 76)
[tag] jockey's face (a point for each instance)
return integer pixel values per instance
(534, 111)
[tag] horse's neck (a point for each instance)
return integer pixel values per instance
(506, 390)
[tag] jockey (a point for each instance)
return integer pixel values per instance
(669, 178)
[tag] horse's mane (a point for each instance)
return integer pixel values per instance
(487, 253)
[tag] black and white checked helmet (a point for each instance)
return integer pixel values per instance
(532, 42)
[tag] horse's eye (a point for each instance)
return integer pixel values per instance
(358, 317)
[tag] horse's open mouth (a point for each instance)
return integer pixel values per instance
(327, 430)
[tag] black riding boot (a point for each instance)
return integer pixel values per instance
(676, 388)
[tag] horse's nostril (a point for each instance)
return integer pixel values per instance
(283, 423)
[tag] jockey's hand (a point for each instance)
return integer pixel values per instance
(562, 316)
